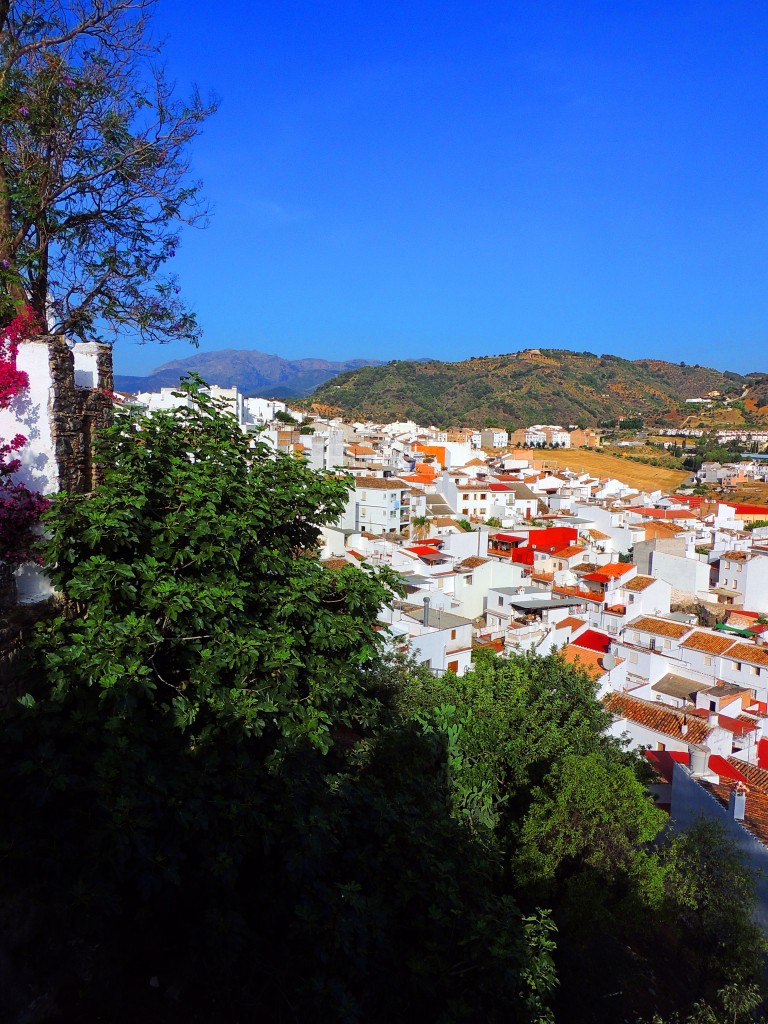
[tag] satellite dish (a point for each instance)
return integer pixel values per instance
(609, 661)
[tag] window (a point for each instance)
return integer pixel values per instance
(736, 666)
(754, 670)
(667, 644)
(661, 746)
(633, 657)
(468, 581)
(482, 497)
(440, 584)
(453, 634)
(362, 495)
(713, 705)
(652, 643)
(501, 602)
(707, 660)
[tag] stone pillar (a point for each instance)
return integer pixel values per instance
(80, 403)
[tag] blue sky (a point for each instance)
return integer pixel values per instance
(393, 180)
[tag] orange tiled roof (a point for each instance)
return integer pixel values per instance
(569, 552)
(657, 717)
(563, 591)
(614, 570)
(473, 562)
(659, 627)
(571, 622)
(335, 563)
(590, 661)
(638, 583)
(748, 652)
(708, 643)
(755, 809)
(660, 530)
(756, 777)
(379, 483)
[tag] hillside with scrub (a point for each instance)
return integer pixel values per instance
(532, 386)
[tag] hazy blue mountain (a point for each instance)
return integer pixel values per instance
(254, 373)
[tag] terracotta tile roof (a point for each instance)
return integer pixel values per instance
(709, 643)
(615, 570)
(755, 810)
(571, 622)
(569, 552)
(749, 652)
(597, 535)
(659, 627)
(590, 661)
(664, 513)
(335, 563)
(756, 777)
(473, 562)
(447, 521)
(737, 556)
(379, 483)
(638, 583)
(562, 591)
(661, 530)
(661, 718)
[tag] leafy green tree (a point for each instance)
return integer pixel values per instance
(534, 774)
(210, 811)
(710, 891)
(94, 173)
(178, 590)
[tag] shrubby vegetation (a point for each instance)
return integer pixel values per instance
(222, 802)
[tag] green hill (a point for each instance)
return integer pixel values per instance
(532, 386)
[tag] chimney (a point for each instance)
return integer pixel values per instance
(712, 720)
(425, 620)
(737, 802)
(699, 757)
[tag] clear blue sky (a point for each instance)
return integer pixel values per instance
(395, 180)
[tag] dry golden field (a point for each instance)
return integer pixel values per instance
(645, 478)
(753, 493)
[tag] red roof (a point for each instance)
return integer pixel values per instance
(593, 641)
(735, 725)
(749, 510)
(507, 538)
(663, 760)
(554, 538)
(724, 769)
(422, 549)
(498, 487)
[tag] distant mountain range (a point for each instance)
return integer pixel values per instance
(520, 388)
(543, 386)
(256, 374)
